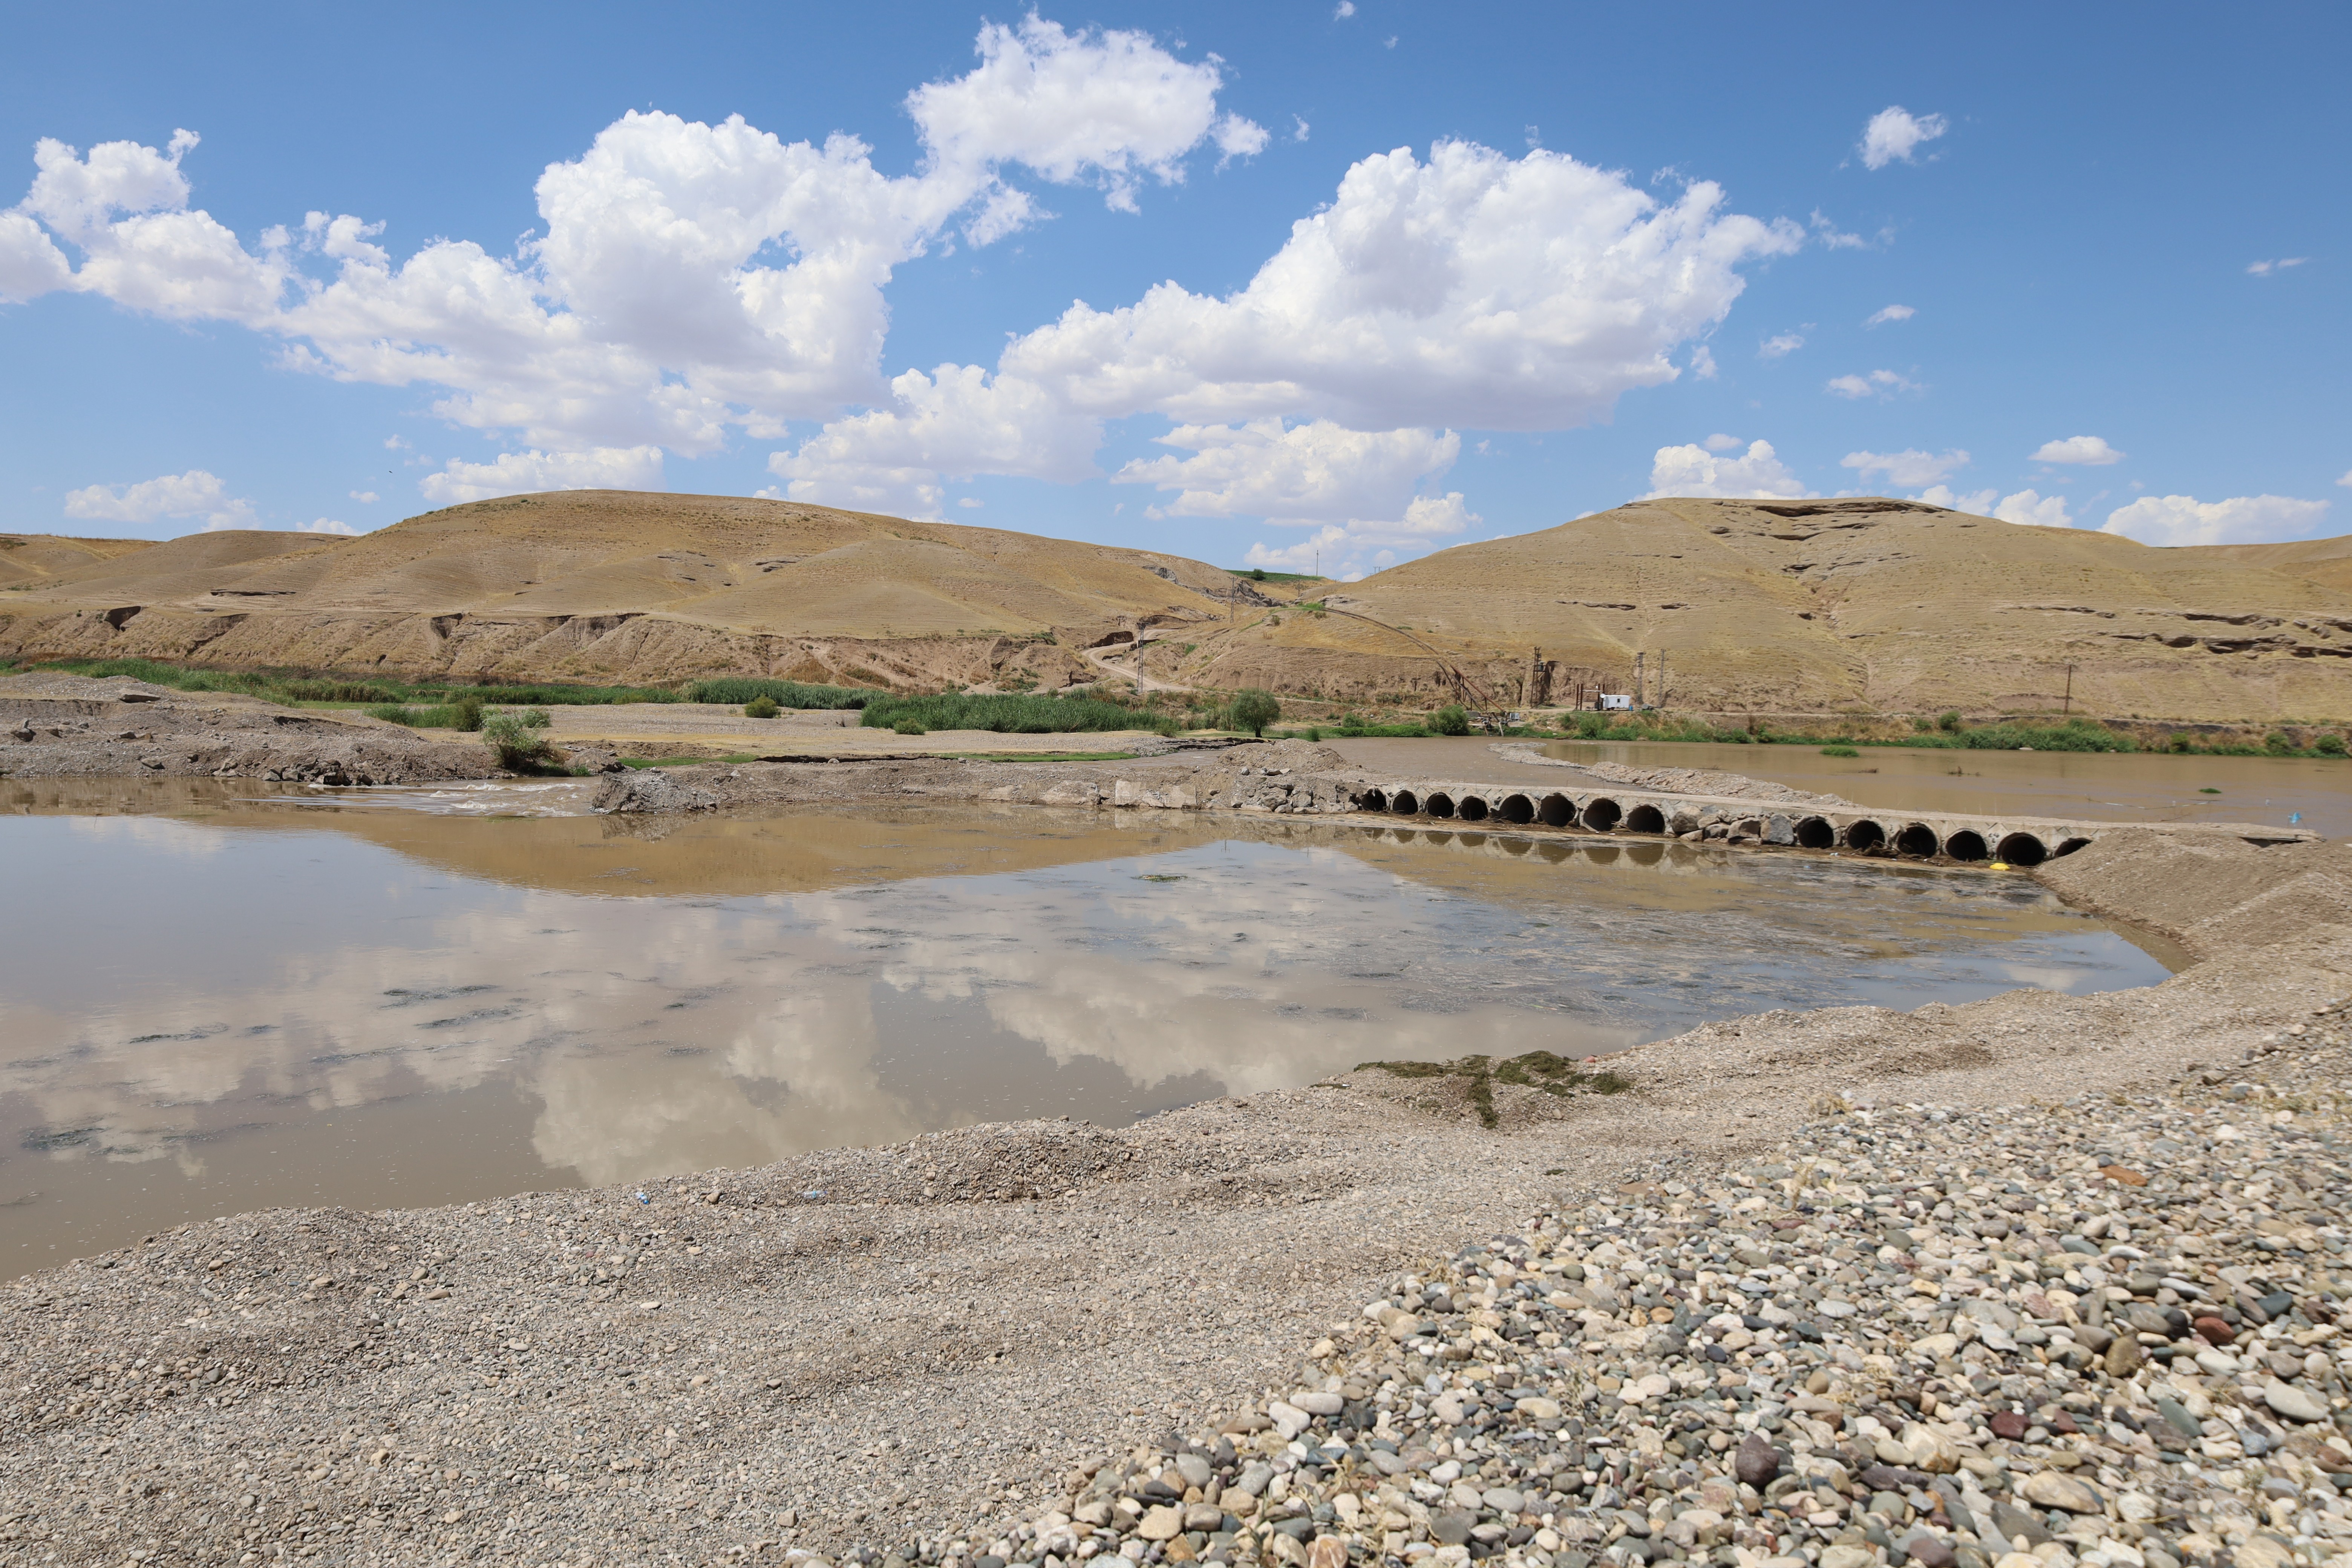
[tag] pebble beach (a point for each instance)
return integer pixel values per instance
(2101, 1332)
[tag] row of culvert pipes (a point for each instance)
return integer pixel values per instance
(1860, 834)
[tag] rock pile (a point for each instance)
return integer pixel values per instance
(649, 789)
(2101, 1334)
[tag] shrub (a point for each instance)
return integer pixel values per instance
(761, 707)
(2277, 744)
(1949, 721)
(907, 725)
(2075, 735)
(1253, 710)
(1840, 752)
(740, 691)
(466, 713)
(1009, 715)
(394, 713)
(2329, 745)
(521, 748)
(1258, 575)
(1921, 725)
(1449, 720)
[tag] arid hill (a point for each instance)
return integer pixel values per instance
(1863, 604)
(1857, 605)
(608, 586)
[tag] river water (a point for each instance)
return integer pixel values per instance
(223, 998)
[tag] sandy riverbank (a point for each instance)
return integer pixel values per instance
(873, 1346)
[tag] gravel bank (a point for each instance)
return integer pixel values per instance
(2107, 1333)
(875, 1350)
(71, 726)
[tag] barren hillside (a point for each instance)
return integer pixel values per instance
(1861, 604)
(604, 585)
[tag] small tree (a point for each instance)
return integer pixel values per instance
(1449, 720)
(1254, 709)
(520, 748)
(760, 708)
(1949, 721)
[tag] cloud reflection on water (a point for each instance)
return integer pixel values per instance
(269, 972)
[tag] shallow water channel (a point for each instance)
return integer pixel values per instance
(215, 999)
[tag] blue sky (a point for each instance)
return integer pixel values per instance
(1256, 284)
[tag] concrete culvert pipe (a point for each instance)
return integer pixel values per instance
(1601, 815)
(1865, 836)
(1645, 819)
(1439, 805)
(2023, 849)
(1966, 845)
(1373, 800)
(2068, 846)
(1815, 832)
(1472, 809)
(1518, 808)
(1404, 804)
(1556, 811)
(1916, 839)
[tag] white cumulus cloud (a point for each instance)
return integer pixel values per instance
(1907, 467)
(1692, 470)
(2022, 506)
(521, 473)
(1113, 107)
(365, 496)
(690, 277)
(2240, 520)
(1890, 313)
(954, 423)
(1474, 289)
(1894, 132)
(325, 525)
(1882, 384)
(1778, 347)
(1296, 475)
(195, 493)
(2265, 269)
(1721, 443)
(2347, 479)
(1518, 294)
(2085, 451)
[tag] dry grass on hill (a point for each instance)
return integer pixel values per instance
(1855, 605)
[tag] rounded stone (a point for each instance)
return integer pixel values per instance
(2049, 1488)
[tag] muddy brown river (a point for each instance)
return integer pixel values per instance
(216, 998)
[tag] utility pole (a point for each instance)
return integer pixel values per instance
(1662, 677)
(2068, 708)
(1638, 689)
